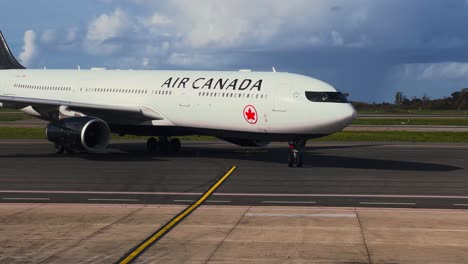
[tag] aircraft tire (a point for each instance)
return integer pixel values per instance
(299, 159)
(69, 151)
(175, 145)
(164, 145)
(152, 145)
(291, 160)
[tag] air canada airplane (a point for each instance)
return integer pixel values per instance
(245, 108)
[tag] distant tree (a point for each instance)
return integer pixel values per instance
(425, 101)
(462, 100)
(455, 95)
(416, 103)
(400, 98)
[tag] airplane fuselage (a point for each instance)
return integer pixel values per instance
(253, 104)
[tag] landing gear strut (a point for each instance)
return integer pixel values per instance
(163, 145)
(61, 148)
(296, 152)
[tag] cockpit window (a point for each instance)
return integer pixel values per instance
(326, 97)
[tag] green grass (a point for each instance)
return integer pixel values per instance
(21, 133)
(412, 122)
(10, 115)
(413, 112)
(382, 136)
(2, 109)
(399, 136)
(10, 118)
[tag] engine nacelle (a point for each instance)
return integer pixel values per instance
(247, 142)
(80, 133)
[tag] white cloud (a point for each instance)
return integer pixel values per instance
(158, 20)
(359, 17)
(71, 34)
(181, 59)
(337, 39)
(108, 26)
(29, 48)
(186, 33)
(316, 40)
(446, 70)
(48, 36)
(436, 71)
(362, 42)
(235, 23)
(146, 62)
(105, 28)
(200, 59)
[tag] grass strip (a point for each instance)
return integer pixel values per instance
(398, 136)
(411, 112)
(21, 133)
(352, 136)
(10, 118)
(412, 122)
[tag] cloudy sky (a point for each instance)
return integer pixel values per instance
(368, 48)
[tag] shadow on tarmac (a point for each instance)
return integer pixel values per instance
(279, 155)
(136, 152)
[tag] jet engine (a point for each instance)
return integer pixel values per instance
(79, 133)
(247, 142)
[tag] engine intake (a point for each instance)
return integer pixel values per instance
(80, 133)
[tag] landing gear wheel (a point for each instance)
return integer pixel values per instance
(296, 151)
(152, 145)
(291, 160)
(175, 145)
(69, 151)
(164, 144)
(59, 148)
(299, 160)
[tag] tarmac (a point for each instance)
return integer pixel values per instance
(79, 233)
(93, 208)
(334, 174)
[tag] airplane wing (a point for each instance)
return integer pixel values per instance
(109, 113)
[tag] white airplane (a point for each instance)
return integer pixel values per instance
(245, 108)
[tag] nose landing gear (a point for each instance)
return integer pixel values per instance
(163, 145)
(296, 152)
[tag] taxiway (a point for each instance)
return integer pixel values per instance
(335, 174)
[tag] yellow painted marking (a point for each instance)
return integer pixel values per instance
(132, 256)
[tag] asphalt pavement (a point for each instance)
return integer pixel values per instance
(368, 174)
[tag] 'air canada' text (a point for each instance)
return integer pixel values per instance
(211, 83)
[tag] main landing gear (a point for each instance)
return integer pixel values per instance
(296, 152)
(60, 149)
(163, 145)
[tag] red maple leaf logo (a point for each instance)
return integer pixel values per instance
(250, 115)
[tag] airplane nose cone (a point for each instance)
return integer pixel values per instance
(354, 113)
(350, 115)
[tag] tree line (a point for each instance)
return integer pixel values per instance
(456, 101)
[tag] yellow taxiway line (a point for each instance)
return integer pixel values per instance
(161, 232)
